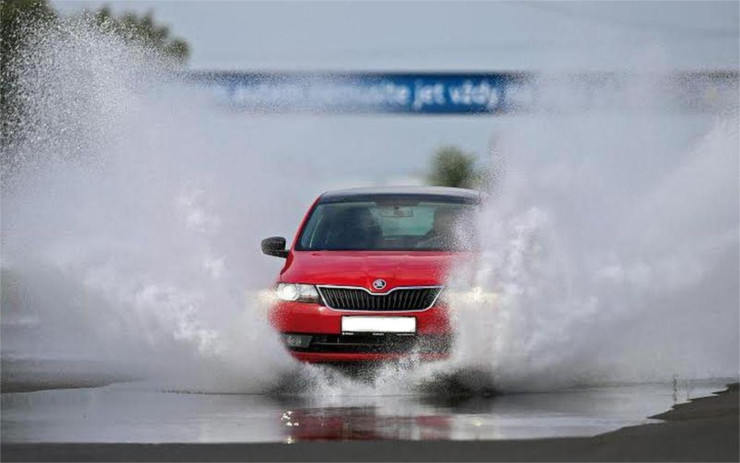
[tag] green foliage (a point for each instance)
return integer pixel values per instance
(17, 19)
(144, 31)
(20, 19)
(453, 167)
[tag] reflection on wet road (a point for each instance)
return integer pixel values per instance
(133, 413)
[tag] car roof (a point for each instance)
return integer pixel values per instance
(449, 194)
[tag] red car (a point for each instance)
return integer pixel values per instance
(365, 277)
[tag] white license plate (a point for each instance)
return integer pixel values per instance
(355, 324)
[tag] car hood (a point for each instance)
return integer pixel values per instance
(355, 268)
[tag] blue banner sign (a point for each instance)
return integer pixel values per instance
(463, 93)
(366, 92)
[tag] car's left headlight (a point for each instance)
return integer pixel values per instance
(297, 292)
(475, 296)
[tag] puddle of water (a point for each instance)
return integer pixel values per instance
(128, 413)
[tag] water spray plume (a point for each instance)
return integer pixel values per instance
(133, 208)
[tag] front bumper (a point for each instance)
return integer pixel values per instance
(321, 326)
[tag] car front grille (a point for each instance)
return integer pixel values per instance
(398, 299)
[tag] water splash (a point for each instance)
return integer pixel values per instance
(132, 210)
(129, 234)
(606, 263)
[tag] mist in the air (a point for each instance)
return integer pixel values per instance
(133, 208)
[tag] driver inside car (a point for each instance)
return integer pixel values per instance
(358, 229)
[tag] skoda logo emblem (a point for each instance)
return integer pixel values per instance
(378, 284)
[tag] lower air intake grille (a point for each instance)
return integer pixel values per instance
(398, 299)
(369, 344)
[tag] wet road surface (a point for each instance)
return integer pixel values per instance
(136, 413)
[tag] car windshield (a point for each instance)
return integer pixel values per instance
(398, 224)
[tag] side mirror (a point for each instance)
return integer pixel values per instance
(274, 246)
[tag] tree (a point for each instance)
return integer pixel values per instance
(144, 31)
(18, 18)
(451, 166)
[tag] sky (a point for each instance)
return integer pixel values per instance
(444, 35)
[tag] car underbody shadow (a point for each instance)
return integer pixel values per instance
(460, 383)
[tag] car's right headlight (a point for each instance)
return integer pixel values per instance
(297, 292)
